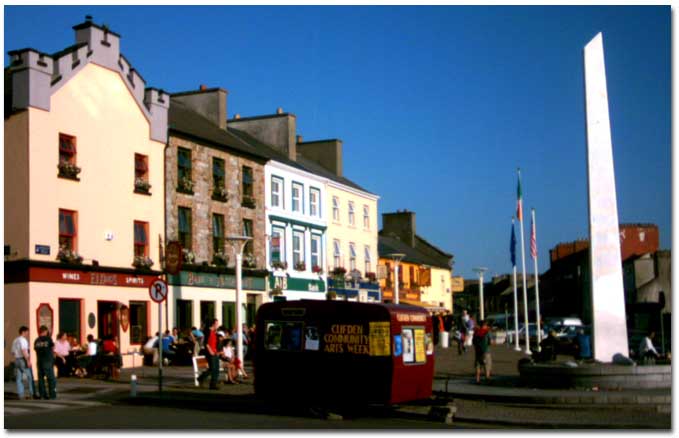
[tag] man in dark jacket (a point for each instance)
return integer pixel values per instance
(44, 349)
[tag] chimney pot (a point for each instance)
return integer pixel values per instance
(299, 139)
(203, 87)
(279, 110)
(237, 116)
(88, 18)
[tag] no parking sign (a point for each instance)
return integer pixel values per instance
(158, 290)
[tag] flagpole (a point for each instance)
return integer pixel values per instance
(534, 239)
(516, 304)
(523, 268)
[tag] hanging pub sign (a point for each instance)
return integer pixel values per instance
(173, 257)
(45, 316)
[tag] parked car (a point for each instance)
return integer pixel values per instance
(532, 334)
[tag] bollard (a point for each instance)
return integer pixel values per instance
(133, 385)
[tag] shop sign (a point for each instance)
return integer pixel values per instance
(124, 317)
(173, 257)
(222, 281)
(45, 316)
(52, 275)
(42, 249)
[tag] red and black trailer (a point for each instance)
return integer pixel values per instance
(342, 352)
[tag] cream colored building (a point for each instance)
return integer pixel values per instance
(352, 236)
(71, 236)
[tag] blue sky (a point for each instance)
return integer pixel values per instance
(437, 106)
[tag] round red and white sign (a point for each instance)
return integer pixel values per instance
(158, 290)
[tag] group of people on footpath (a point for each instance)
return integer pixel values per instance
(218, 345)
(65, 354)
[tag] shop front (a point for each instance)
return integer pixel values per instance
(80, 300)
(196, 297)
(364, 292)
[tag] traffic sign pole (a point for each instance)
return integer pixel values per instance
(158, 293)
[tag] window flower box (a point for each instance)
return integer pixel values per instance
(249, 261)
(280, 265)
(317, 270)
(188, 256)
(339, 272)
(219, 194)
(185, 185)
(68, 170)
(276, 291)
(65, 255)
(300, 266)
(142, 186)
(248, 202)
(141, 262)
(220, 259)
(371, 276)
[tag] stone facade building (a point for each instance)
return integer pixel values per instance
(214, 189)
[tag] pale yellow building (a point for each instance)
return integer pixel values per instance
(84, 199)
(352, 241)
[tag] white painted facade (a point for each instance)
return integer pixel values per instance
(296, 215)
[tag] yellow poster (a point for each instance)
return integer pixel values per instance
(380, 344)
(419, 346)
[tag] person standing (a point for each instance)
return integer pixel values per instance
(212, 356)
(64, 359)
(44, 351)
(22, 363)
(482, 358)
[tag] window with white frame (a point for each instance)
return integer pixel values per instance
(297, 247)
(277, 245)
(366, 217)
(314, 202)
(352, 256)
(297, 190)
(336, 253)
(368, 261)
(335, 209)
(277, 192)
(316, 251)
(352, 220)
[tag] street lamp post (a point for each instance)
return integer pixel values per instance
(238, 243)
(396, 257)
(480, 271)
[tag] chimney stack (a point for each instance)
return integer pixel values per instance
(401, 224)
(327, 153)
(279, 110)
(276, 130)
(208, 102)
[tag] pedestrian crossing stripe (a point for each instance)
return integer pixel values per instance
(19, 407)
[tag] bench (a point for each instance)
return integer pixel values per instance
(200, 364)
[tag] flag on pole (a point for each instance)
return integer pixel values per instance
(519, 208)
(533, 241)
(512, 246)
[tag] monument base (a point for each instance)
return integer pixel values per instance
(591, 375)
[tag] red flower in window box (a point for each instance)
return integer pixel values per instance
(371, 276)
(300, 266)
(339, 272)
(317, 269)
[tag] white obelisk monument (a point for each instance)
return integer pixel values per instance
(608, 296)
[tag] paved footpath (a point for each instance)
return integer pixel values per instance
(503, 401)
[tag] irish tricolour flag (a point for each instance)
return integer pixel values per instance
(519, 208)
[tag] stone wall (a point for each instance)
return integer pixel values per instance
(203, 206)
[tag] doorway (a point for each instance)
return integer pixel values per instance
(107, 315)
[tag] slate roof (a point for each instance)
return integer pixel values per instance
(184, 121)
(390, 245)
(302, 163)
